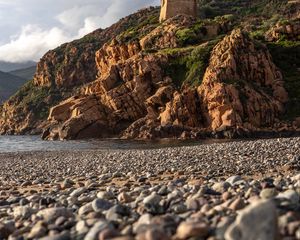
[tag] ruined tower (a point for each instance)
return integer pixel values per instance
(171, 8)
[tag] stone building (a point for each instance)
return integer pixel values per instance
(171, 8)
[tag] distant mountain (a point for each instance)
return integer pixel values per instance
(26, 73)
(8, 66)
(9, 84)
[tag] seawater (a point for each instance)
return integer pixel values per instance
(10, 144)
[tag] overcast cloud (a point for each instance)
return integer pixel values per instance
(29, 28)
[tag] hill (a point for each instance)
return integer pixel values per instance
(8, 66)
(231, 72)
(25, 73)
(9, 84)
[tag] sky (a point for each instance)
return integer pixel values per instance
(29, 28)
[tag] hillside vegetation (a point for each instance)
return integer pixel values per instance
(9, 84)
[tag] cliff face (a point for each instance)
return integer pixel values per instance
(73, 63)
(242, 87)
(183, 78)
(127, 77)
(135, 97)
(58, 75)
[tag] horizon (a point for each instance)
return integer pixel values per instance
(31, 29)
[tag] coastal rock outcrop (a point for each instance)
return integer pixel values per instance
(242, 87)
(182, 78)
(59, 73)
(135, 97)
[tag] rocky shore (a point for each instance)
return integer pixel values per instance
(235, 190)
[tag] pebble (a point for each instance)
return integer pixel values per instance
(39, 230)
(233, 179)
(290, 195)
(221, 187)
(237, 204)
(60, 236)
(78, 192)
(5, 230)
(100, 205)
(85, 209)
(268, 193)
(192, 229)
(96, 229)
(82, 227)
(105, 195)
(126, 195)
(51, 214)
(257, 221)
(153, 199)
(22, 212)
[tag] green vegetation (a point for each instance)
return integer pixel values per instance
(9, 84)
(266, 8)
(136, 32)
(286, 55)
(260, 31)
(187, 36)
(189, 68)
(198, 32)
(36, 99)
(192, 35)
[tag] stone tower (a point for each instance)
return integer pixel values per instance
(171, 8)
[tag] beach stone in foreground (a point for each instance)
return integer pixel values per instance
(51, 214)
(192, 229)
(257, 221)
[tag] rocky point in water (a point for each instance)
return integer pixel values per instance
(227, 73)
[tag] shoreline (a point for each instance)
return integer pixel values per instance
(140, 144)
(200, 152)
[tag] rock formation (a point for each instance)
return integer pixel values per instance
(182, 78)
(59, 73)
(241, 88)
(171, 8)
(288, 30)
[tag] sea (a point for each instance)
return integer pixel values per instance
(9, 144)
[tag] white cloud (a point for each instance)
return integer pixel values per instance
(46, 24)
(73, 18)
(116, 10)
(31, 43)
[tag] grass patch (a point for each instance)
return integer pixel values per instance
(198, 32)
(286, 56)
(211, 9)
(136, 32)
(36, 100)
(192, 35)
(189, 68)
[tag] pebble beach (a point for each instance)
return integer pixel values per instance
(240, 190)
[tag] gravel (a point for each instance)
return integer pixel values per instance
(233, 190)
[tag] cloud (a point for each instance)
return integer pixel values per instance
(31, 44)
(116, 10)
(47, 24)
